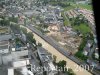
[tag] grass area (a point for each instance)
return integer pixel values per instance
(81, 56)
(85, 6)
(69, 8)
(33, 18)
(53, 3)
(83, 28)
(73, 5)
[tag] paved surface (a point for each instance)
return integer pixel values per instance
(3, 71)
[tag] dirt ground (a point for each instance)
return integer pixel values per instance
(68, 42)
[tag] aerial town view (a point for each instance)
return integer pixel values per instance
(48, 37)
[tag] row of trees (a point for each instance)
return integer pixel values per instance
(80, 54)
(62, 66)
(78, 20)
(30, 36)
(5, 21)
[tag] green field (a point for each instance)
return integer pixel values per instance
(83, 28)
(74, 5)
(85, 6)
(68, 8)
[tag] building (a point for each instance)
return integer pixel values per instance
(57, 11)
(13, 59)
(23, 37)
(72, 14)
(49, 18)
(17, 60)
(5, 36)
(46, 60)
(87, 48)
(96, 53)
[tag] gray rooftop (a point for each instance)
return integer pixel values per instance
(90, 41)
(4, 47)
(3, 71)
(44, 55)
(86, 48)
(5, 37)
(4, 42)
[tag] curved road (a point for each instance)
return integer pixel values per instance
(70, 64)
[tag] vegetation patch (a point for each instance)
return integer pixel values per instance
(83, 28)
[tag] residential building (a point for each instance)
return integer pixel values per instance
(11, 58)
(87, 48)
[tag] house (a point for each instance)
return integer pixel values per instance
(49, 18)
(28, 13)
(57, 11)
(87, 48)
(23, 36)
(5, 37)
(37, 22)
(4, 47)
(89, 43)
(96, 53)
(60, 18)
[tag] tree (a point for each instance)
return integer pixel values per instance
(24, 30)
(45, 26)
(39, 44)
(17, 40)
(4, 22)
(54, 59)
(70, 72)
(15, 27)
(62, 64)
(45, 2)
(13, 19)
(30, 34)
(30, 37)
